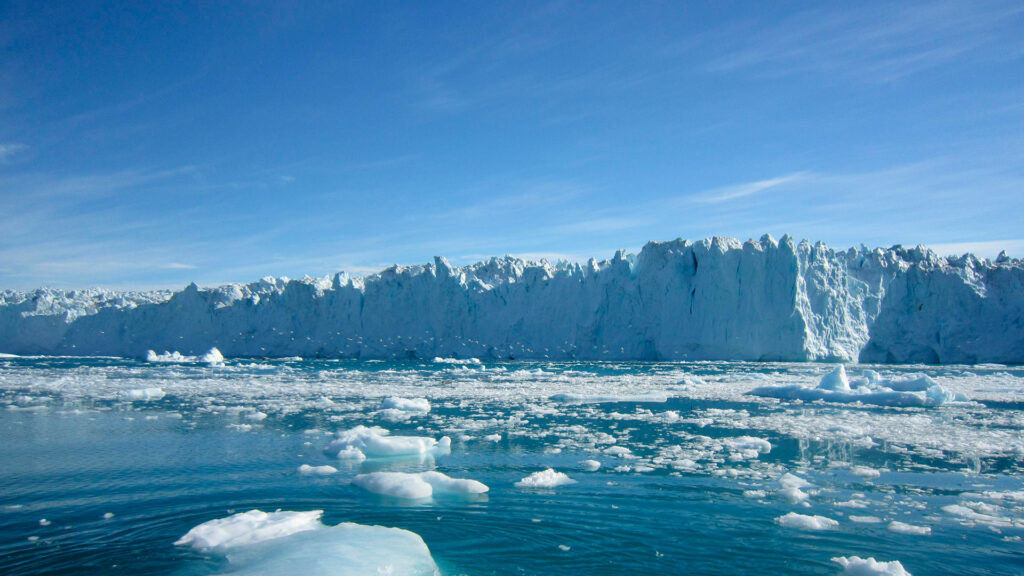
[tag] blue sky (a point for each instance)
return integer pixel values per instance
(147, 146)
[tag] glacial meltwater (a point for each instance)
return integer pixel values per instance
(197, 465)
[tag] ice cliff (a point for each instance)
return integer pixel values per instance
(717, 299)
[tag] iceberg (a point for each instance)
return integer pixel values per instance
(715, 299)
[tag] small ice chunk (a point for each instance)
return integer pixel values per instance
(865, 519)
(788, 480)
(791, 488)
(308, 470)
(493, 438)
(213, 357)
(620, 451)
(144, 394)
(747, 447)
(902, 528)
(458, 361)
(803, 522)
(377, 442)
(545, 479)
(794, 495)
(406, 404)
(573, 398)
(835, 381)
(108, 515)
(857, 566)
(865, 472)
(152, 356)
(44, 522)
(754, 494)
(590, 465)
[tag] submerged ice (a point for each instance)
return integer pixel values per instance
(717, 299)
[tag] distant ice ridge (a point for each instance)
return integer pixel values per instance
(268, 544)
(714, 299)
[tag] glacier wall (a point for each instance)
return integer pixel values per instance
(716, 299)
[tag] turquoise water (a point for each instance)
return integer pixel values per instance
(119, 475)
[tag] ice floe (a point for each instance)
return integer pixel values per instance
(286, 543)
(915, 390)
(376, 442)
(417, 485)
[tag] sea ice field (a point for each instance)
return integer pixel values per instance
(194, 465)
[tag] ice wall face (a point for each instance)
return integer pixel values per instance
(717, 299)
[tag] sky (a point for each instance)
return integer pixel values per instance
(149, 145)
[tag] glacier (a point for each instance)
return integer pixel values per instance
(714, 299)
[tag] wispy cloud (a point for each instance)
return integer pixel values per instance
(745, 189)
(877, 45)
(986, 249)
(9, 150)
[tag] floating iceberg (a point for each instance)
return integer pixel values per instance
(285, 543)
(915, 390)
(376, 442)
(716, 299)
(417, 485)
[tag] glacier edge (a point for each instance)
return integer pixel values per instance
(715, 299)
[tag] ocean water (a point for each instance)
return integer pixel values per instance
(105, 463)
